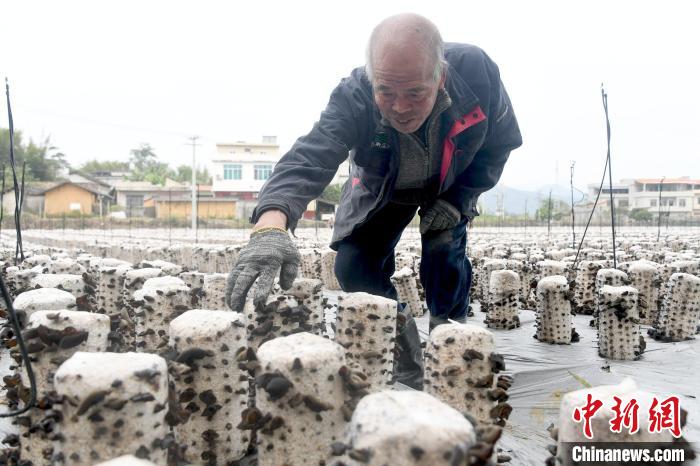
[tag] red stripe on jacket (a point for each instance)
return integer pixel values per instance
(470, 119)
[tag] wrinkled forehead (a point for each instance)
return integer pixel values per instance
(402, 64)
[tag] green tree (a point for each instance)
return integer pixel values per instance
(559, 209)
(146, 167)
(184, 175)
(640, 215)
(157, 173)
(332, 193)
(104, 166)
(143, 157)
(44, 161)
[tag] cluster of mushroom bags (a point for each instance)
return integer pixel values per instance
(484, 272)
(645, 277)
(462, 369)
(214, 291)
(680, 309)
(155, 305)
(405, 282)
(366, 329)
(116, 401)
(209, 389)
(195, 282)
(110, 286)
(285, 314)
(585, 289)
(51, 337)
(618, 323)
(310, 265)
(609, 277)
(553, 321)
(330, 281)
(504, 300)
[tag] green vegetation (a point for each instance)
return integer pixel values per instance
(559, 210)
(640, 215)
(44, 161)
(104, 166)
(184, 175)
(332, 193)
(147, 167)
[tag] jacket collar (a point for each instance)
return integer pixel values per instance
(463, 98)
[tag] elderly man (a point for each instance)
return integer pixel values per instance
(428, 127)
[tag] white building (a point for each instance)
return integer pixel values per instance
(679, 197)
(674, 197)
(241, 168)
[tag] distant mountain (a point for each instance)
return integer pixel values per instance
(514, 201)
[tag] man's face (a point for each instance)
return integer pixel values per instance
(404, 86)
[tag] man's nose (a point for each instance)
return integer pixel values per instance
(401, 105)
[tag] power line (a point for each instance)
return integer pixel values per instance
(82, 119)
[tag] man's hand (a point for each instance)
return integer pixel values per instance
(440, 216)
(269, 250)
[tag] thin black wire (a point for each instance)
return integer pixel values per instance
(21, 194)
(2, 198)
(3, 289)
(19, 215)
(595, 203)
(609, 161)
(23, 351)
(18, 250)
(583, 195)
(573, 218)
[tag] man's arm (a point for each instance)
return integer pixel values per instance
(309, 166)
(299, 177)
(271, 218)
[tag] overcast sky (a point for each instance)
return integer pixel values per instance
(101, 77)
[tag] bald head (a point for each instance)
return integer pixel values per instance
(405, 35)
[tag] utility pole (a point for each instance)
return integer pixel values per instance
(658, 231)
(194, 183)
(549, 214)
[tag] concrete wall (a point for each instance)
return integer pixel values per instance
(205, 209)
(58, 201)
(34, 204)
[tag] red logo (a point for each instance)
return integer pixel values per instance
(586, 413)
(626, 417)
(663, 415)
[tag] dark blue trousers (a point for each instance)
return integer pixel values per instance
(365, 261)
